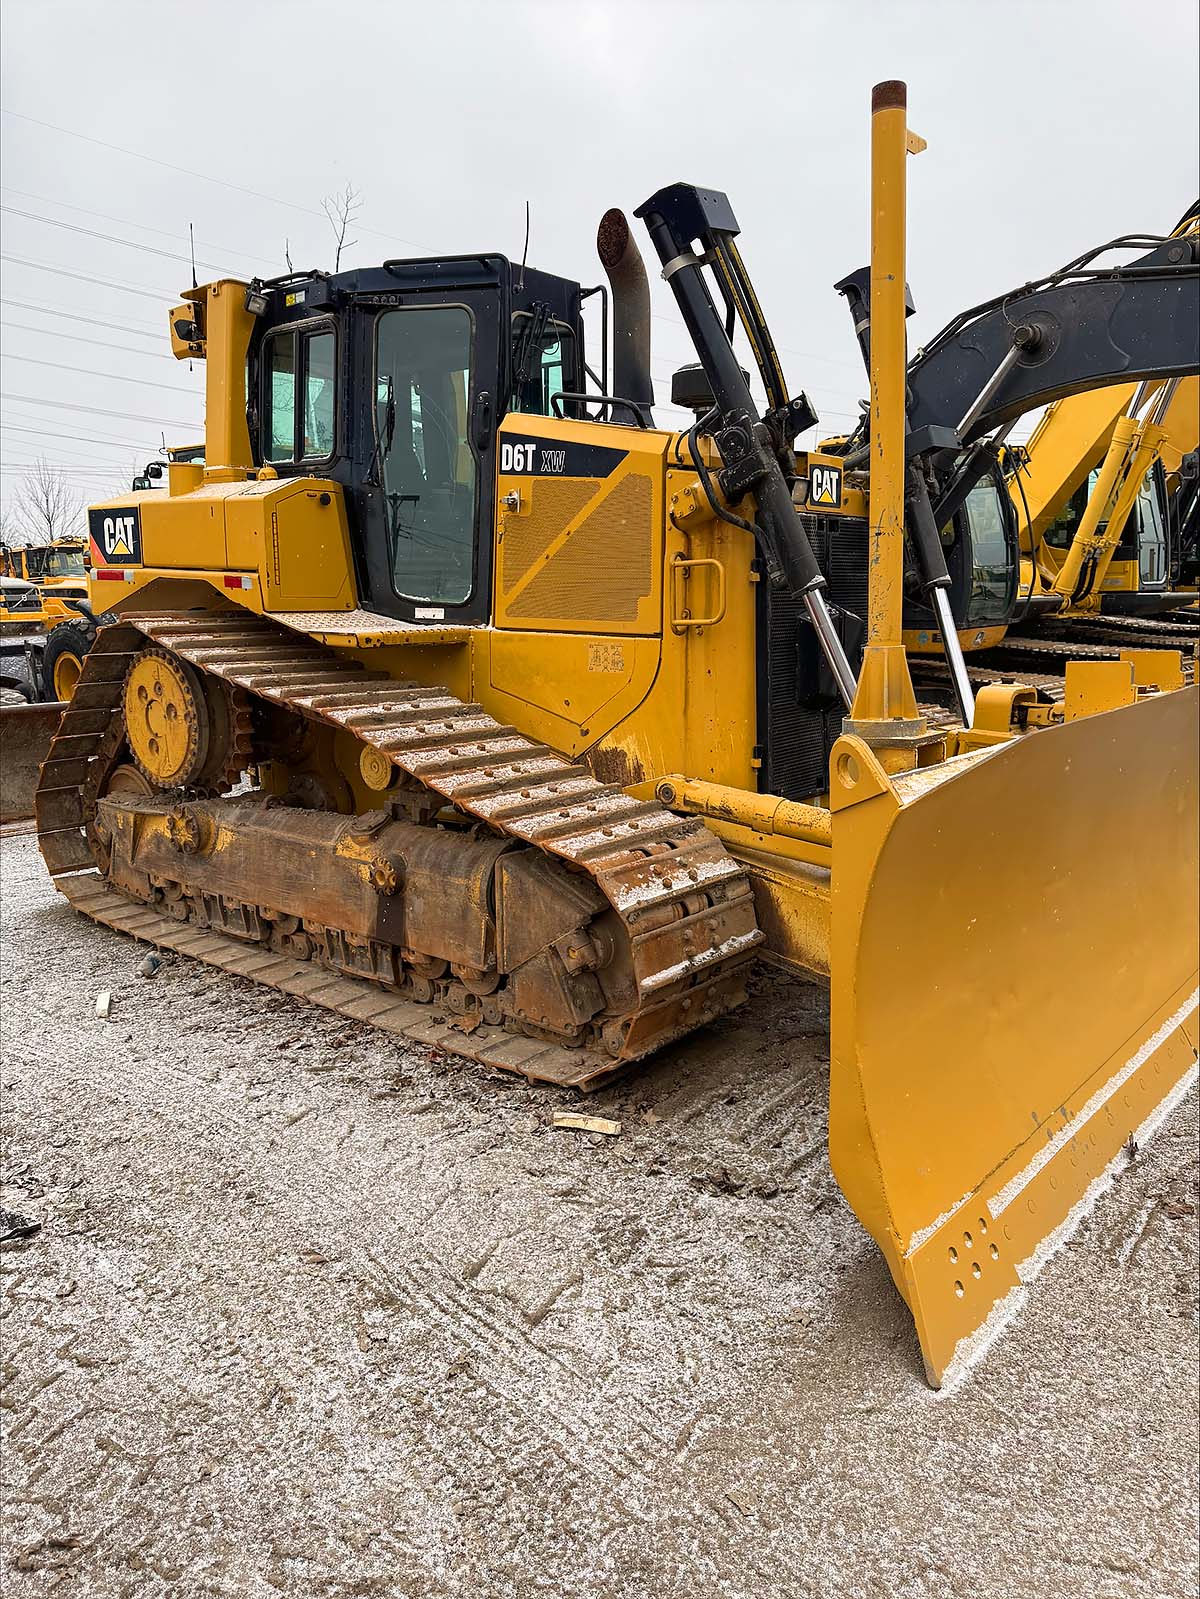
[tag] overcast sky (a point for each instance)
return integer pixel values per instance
(1051, 126)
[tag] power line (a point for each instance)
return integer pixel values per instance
(170, 166)
(125, 222)
(95, 410)
(76, 338)
(90, 372)
(74, 316)
(79, 438)
(158, 295)
(111, 238)
(804, 355)
(28, 416)
(68, 468)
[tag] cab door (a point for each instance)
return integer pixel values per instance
(429, 362)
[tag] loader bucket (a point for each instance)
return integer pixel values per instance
(25, 734)
(1014, 992)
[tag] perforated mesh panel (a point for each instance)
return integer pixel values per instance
(603, 570)
(553, 503)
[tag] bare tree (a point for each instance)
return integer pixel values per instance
(340, 211)
(119, 479)
(46, 505)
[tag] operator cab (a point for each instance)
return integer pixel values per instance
(982, 551)
(393, 381)
(1143, 538)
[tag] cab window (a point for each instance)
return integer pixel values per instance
(992, 563)
(299, 367)
(542, 372)
(427, 466)
(1150, 533)
(62, 562)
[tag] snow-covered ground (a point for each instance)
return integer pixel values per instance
(316, 1312)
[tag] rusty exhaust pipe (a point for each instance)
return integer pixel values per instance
(622, 261)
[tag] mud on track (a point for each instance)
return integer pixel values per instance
(316, 1312)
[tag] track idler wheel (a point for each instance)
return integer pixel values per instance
(166, 719)
(184, 731)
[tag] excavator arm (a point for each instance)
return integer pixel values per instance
(1083, 328)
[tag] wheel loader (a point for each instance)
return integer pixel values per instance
(451, 693)
(56, 574)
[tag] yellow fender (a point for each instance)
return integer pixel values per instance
(1014, 995)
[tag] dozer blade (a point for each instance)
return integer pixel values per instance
(1014, 973)
(25, 734)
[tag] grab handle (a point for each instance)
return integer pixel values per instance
(682, 567)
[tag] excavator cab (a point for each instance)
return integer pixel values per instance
(1083, 328)
(1141, 559)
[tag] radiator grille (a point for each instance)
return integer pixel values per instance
(603, 570)
(553, 503)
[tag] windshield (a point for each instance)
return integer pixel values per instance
(63, 563)
(992, 567)
(427, 466)
(549, 370)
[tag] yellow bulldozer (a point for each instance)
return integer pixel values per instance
(451, 693)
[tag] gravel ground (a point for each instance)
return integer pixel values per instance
(317, 1312)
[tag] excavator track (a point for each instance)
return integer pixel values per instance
(671, 912)
(1126, 632)
(1016, 651)
(930, 673)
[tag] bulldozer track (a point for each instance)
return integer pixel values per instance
(686, 907)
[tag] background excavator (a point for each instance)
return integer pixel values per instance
(450, 693)
(984, 579)
(1097, 492)
(1104, 523)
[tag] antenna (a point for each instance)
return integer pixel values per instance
(524, 252)
(192, 243)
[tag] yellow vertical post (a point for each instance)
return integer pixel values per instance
(227, 329)
(885, 692)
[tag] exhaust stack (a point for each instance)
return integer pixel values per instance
(622, 261)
